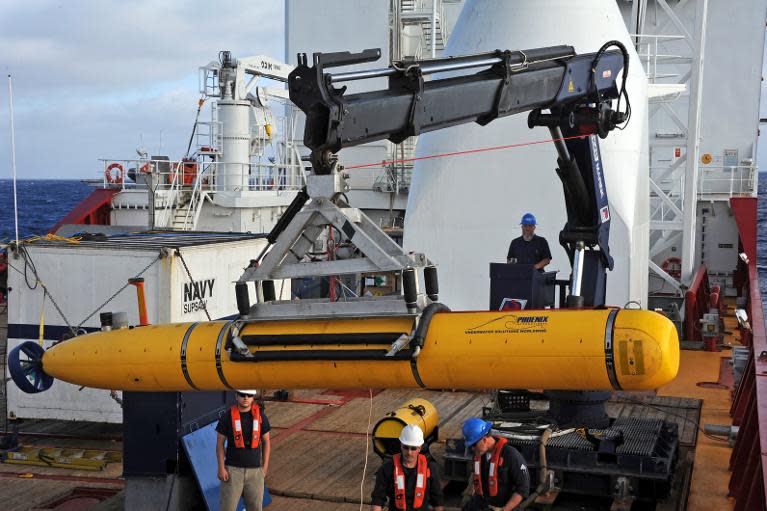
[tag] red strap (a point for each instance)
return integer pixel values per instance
(239, 442)
(422, 476)
(420, 482)
(495, 462)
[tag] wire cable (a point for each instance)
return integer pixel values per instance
(459, 153)
(367, 449)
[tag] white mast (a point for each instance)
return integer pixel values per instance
(13, 159)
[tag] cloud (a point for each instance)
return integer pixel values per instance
(90, 77)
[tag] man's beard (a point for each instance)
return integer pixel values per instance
(527, 237)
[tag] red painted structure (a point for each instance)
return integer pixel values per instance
(93, 210)
(749, 407)
(697, 300)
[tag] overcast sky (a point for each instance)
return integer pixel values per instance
(92, 77)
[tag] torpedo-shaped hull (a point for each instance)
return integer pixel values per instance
(547, 349)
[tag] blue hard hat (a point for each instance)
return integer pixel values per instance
(474, 430)
(528, 219)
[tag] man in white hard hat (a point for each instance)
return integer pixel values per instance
(408, 480)
(245, 429)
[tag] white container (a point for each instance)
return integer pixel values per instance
(463, 211)
(80, 278)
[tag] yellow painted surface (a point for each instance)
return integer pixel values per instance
(710, 474)
(416, 411)
(468, 350)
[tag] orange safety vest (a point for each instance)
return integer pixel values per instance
(237, 427)
(422, 469)
(495, 462)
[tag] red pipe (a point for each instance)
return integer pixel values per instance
(139, 283)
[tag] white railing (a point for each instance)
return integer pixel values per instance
(421, 12)
(727, 181)
(181, 187)
(212, 176)
(649, 50)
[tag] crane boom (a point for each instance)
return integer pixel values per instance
(509, 82)
(577, 91)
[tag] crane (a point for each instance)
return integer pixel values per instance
(407, 341)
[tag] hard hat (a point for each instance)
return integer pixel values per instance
(527, 219)
(474, 430)
(248, 392)
(411, 435)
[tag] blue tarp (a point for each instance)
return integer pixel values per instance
(200, 447)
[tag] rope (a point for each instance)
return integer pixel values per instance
(367, 449)
(459, 153)
(189, 274)
(73, 240)
(114, 295)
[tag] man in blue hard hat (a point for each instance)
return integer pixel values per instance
(408, 480)
(529, 248)
(500, 480)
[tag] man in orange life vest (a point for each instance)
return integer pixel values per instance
(246, 432)
(407, 479)
(500, 480)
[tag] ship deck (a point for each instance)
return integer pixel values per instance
(320, 443)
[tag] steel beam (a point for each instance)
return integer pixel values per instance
(689, 206)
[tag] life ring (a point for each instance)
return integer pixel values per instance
(144, 169)
(673, 266)
(114, 179)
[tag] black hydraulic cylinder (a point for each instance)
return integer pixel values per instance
(243, 298)
(432, 284)
(409, 289)
(293, 209)
(577, 199)
(267, 288)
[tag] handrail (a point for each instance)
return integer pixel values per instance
(749, 459)
(727, 180)
(258, 176)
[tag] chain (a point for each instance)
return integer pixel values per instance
(159, 256)
(204, 307)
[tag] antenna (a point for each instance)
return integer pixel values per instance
(13, 159)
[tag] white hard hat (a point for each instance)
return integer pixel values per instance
(248, 392)
(411, 435)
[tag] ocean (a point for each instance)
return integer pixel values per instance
(42, 203)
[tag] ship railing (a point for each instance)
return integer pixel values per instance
(723, 182)
(748, 459)
(180, 188)
(650, 49)
(169, 176)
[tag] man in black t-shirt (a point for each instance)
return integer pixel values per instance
(408, 480)
(245, 429)
(529, 248)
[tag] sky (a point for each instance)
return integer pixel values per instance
(97, 78)
(94, 78)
